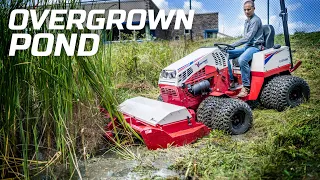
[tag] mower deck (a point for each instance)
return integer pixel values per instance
(161, 124)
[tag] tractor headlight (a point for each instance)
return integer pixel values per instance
(164, 74)
(173, 75)
(168, 74)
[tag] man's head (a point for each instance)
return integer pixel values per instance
(249, 8)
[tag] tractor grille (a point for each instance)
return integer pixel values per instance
(220, 59)
(189, 72)
(183, 76)
(169, 92)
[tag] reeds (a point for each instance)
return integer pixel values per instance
(38, 97)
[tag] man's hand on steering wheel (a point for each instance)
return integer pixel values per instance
(224, 47)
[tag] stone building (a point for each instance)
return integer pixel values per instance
(204, 25)
(126, 5)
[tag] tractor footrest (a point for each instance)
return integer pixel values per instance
(238, 86)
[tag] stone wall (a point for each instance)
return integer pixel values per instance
(201, 22)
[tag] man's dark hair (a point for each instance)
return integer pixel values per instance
(251, 2)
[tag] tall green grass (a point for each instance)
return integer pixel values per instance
(43, 101)
(137, 65)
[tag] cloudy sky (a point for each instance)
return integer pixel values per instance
(304, 15)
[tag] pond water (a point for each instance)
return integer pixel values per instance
(146, 164)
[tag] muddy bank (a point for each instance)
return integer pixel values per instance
(145, 165)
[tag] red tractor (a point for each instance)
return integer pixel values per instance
(196, 96)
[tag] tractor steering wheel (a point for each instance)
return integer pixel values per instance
(224, 47)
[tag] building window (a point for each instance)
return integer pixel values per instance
(210, 33)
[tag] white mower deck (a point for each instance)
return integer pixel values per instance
(153, 112)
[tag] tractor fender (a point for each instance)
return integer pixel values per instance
(256, 86)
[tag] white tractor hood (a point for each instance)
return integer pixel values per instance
(180, 71)
(191, 58)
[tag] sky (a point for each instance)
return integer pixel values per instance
(303, 15)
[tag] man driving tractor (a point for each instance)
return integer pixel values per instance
(252, 40)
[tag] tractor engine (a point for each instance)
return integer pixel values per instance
(188, 81)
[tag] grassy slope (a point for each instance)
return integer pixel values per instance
(280, 144)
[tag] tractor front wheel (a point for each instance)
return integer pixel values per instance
(234, 116)
(231, 115)
(206, 110)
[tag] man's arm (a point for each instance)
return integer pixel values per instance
(253, 28)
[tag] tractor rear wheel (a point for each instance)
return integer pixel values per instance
(253, 103)
(291, 92)
(231, 115)
(269, 93)
(285, 91)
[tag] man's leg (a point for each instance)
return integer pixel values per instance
(245, 68)
(232, 55)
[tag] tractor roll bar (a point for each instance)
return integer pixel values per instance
(284, 16)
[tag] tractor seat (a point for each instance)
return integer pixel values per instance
(268, 34)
